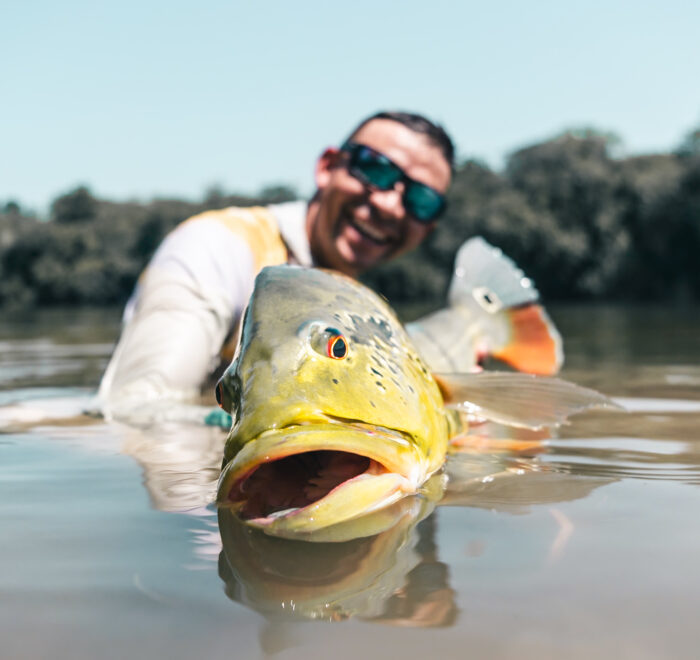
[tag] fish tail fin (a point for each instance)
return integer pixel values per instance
(521, 400)
(533, 343)
(493, 311)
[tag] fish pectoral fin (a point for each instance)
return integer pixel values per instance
(516, 399)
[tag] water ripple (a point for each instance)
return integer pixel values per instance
(625, 457)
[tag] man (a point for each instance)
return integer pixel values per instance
(377, 196)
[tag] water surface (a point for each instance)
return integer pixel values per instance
(585, 546)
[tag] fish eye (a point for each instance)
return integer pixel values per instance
(337, 347)
(328, 342)
(228, 391)
(222, 397)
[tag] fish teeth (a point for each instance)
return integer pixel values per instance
(283, 512)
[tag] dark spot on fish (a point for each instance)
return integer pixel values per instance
(380, 386)
(374, 371)
(335, 380)
(371, 403)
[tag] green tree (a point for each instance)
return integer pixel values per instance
(76, 206)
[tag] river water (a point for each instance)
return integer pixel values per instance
(582, 545)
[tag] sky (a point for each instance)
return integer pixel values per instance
(152, 98)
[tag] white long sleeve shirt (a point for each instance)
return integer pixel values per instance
(190, 298)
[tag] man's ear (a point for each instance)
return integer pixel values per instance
(325, 164)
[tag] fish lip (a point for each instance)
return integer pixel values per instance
(390, 448)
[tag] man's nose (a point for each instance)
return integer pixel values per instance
(389, 203)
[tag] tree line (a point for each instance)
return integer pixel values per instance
(584, 224)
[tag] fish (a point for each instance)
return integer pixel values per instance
(336, 415)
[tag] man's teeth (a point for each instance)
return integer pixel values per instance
(371, 232)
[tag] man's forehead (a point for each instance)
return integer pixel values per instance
(414, 152)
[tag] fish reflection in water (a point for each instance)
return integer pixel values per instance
(393, 576)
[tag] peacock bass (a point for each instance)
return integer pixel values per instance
(336, 415)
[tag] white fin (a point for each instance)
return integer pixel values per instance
(522, 400)
(493, 311)
(483, 272)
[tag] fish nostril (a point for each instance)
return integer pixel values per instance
(219, 395)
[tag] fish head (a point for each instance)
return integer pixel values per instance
(335, 414)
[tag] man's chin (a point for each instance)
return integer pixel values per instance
(360, 256)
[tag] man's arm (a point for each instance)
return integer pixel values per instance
(185, 305)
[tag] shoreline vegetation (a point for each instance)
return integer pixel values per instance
(581, 223)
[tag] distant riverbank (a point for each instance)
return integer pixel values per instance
(583, 224)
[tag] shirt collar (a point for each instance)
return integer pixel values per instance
(291, 221)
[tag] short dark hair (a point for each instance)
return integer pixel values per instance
(420, 124)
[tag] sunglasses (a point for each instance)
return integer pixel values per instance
(374, 169)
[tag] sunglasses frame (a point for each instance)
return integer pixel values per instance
(352, 148)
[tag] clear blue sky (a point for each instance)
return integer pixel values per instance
(137, 99)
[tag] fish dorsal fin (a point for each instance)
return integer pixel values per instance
(516, 399)
(484, 272)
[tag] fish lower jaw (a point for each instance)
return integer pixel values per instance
(294, 483)
(352, 499)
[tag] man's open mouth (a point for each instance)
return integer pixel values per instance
(305, 477)
(370, 232)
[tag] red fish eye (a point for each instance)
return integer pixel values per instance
(337, 347)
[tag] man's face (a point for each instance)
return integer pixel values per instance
(353, 227)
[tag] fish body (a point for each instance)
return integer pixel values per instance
(336, 415)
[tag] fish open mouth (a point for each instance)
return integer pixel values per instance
(296, 481)
(302, 478)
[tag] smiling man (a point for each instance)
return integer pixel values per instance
(380, 194)
(377, 196)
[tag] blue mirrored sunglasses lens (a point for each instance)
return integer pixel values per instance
(423, 203)
(376, 169)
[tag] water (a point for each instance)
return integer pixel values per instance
(585, 547)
